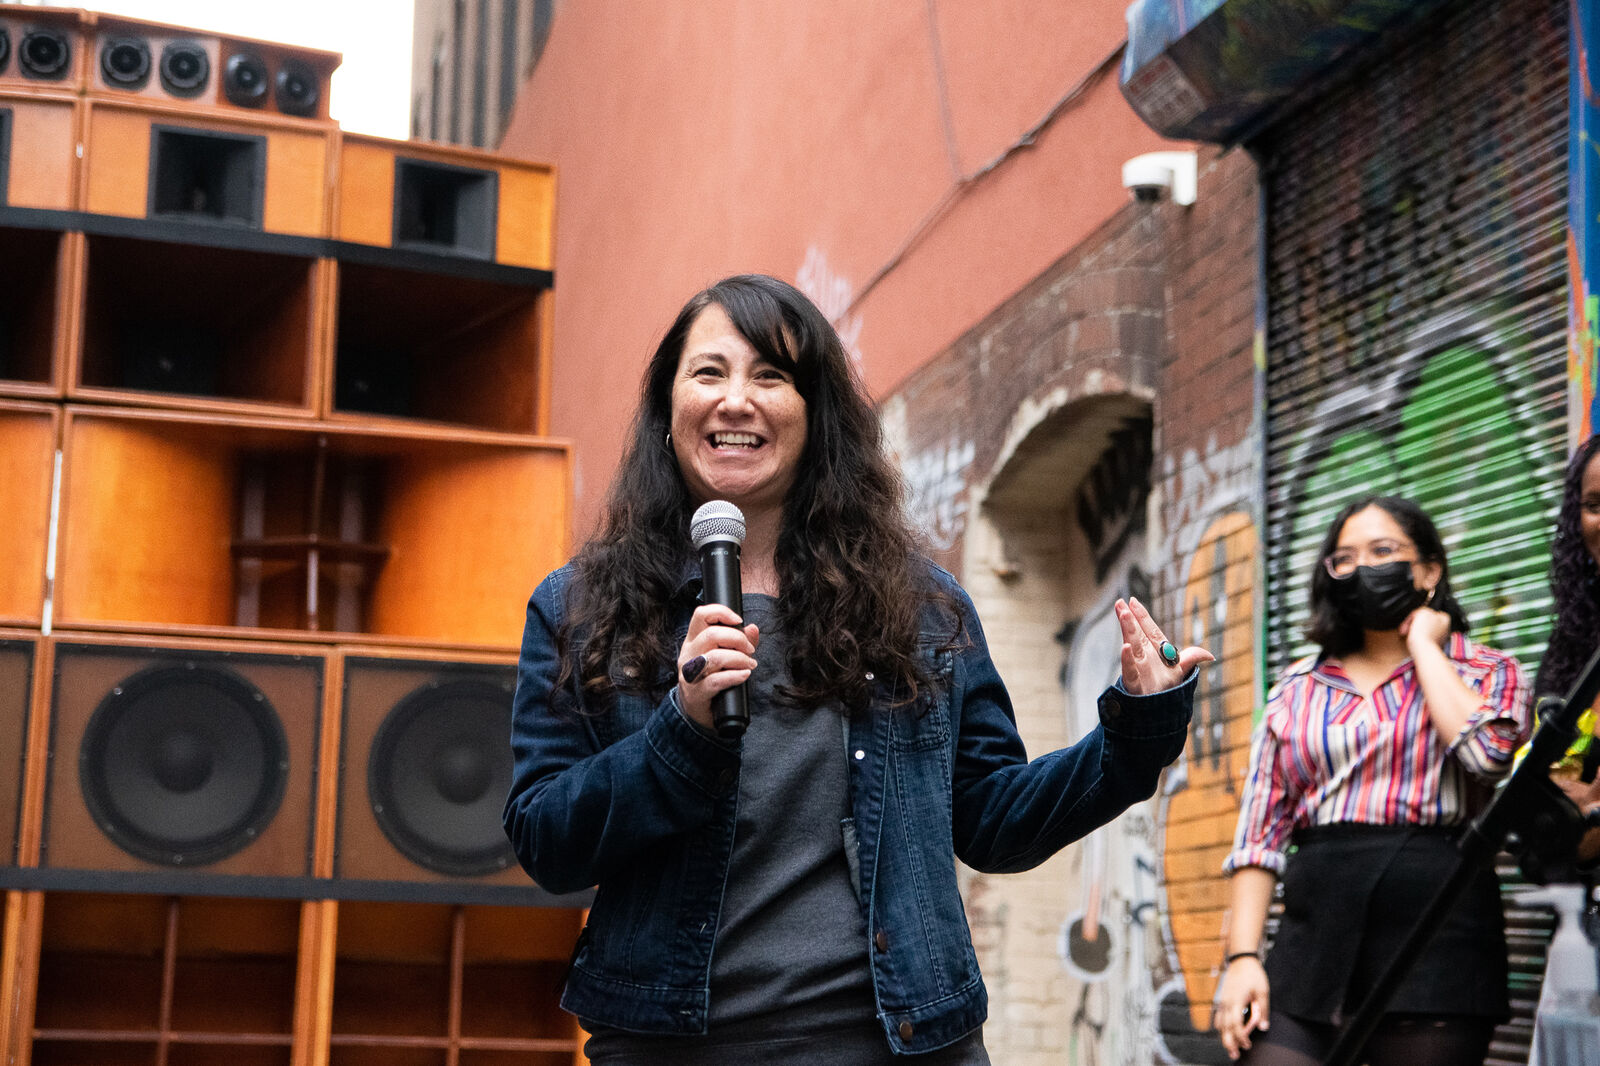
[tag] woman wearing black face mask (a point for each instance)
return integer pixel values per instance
(1370, 757)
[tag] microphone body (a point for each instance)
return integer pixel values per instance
(718, 531)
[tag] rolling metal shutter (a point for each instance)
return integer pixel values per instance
(1416, 332)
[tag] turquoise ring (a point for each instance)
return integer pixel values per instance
(1169, 653)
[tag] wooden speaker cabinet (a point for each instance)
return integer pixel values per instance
(38, 148)
(442, 301)
(22, 666)
(439, 346)
(134, 58)
(424, 769)
(236, 172)
(181, 766)
(433, 200)
(113, 979)
(43, 49)
(39, 287)
(202, 523)
(28, 435)
(434, 985)
(196, 326)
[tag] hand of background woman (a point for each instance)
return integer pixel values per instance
(1425, 626)
(1241, 1005)
(1144, 670)
(717, 654)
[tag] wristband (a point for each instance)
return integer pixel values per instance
(1229, 961)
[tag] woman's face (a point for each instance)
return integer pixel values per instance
(1371, 537)
(1589, 507)
(738, 423)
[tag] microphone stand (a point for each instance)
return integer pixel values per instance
(1547, 826)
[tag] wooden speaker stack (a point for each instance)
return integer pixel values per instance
(274, 487)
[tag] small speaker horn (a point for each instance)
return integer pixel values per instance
(185, 69)
(244, 80)
(125, 62)
(45, 54)
(295, 90)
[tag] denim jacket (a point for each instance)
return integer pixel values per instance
(634, 798)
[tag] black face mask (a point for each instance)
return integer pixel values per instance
(1378, 597)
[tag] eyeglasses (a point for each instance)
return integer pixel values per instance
(1343, 562)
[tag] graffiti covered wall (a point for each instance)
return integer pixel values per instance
(1093, 439)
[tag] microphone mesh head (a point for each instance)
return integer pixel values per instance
(716, 520)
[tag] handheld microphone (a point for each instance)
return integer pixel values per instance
(717, 530)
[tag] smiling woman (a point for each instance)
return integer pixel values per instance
(760, 896)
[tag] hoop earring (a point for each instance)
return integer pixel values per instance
(669, 440)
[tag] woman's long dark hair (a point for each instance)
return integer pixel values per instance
(1328, 627)
(850, 590)
(1574, 584)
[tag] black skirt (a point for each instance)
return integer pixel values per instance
(1351, 894)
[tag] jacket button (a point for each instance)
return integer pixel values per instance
(726, 777)
(905, 1030)
(880, 940)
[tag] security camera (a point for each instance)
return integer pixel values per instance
(1157, 174)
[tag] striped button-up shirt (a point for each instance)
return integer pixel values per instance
(1323, 753)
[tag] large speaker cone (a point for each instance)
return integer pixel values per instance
(5, 47)
(438, 774)
(295, 90)
(125, 62)
(183, 765)
(44, 54)
(244, 80)
(184, 68)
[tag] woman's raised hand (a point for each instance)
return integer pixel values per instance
(1144, 668)
(717, 654)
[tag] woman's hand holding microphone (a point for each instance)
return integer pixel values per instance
(718, 653)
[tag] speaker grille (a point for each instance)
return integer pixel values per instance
(438, 773)
(183, 765)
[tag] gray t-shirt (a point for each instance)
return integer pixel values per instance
(789, 973)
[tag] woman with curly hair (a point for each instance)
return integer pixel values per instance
(788, 894)
(1575, 586)
(1370, 758)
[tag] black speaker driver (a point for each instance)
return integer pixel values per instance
(44, 54)
(183, 765)
(185, 68)
(438, 774)
(296, 90)
(125, 62)
(5, 47)
(244, 80)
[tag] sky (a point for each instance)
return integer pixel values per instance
(371, 90)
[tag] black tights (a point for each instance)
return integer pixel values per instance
(1400, 1040)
